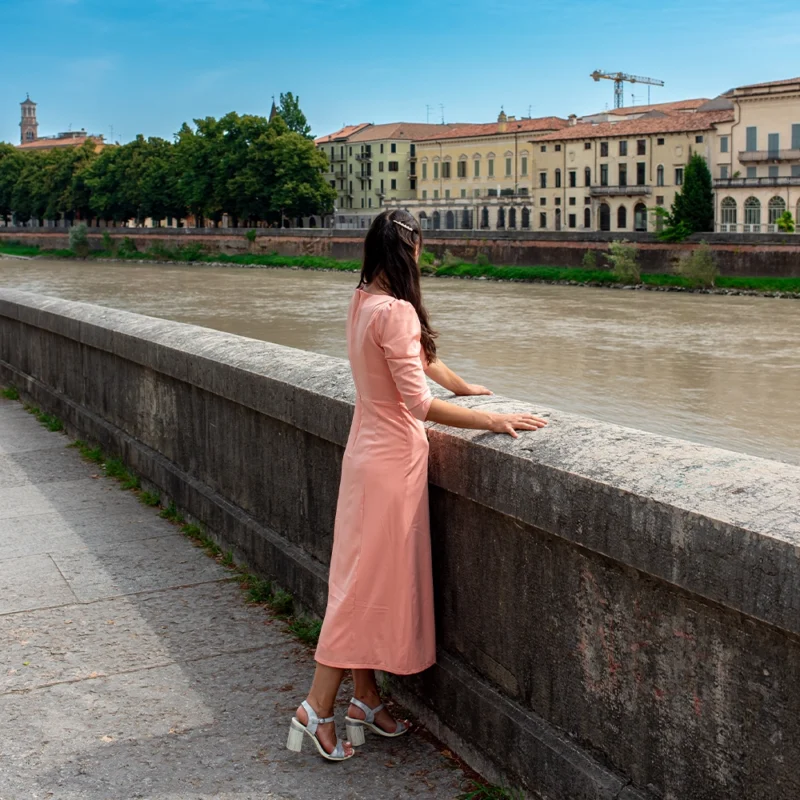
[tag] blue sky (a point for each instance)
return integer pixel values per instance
(146, 66)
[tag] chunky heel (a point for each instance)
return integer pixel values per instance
(295, 741)
(355, 734)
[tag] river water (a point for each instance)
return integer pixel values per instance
(720, 370)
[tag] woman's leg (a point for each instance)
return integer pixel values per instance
(321, 698)
(366, 690)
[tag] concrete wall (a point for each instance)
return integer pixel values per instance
(618, 612)
(766, 255)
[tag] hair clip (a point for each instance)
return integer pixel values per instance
(403, 225)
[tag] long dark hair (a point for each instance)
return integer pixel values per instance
(390, 256)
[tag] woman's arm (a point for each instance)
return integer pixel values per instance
(439, 372)
(458, 417)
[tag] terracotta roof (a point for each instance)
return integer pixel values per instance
(46, 144)
(342, 134)
(682, 123)
(493, 128)
(785, 82)
(399, 130)
(667, 108)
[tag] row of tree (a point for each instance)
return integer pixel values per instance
(248, 167)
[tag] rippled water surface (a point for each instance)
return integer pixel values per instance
(719, 370)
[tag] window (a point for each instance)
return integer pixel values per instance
(558, 179)
(542, 219)
(641, 177)
(659, 199)
(660, 175)
(557, 201)
(723, 172)
(381, 185)
(381, 147)
(333, 184)
(660, 140)
(394, 183)
(773, 145)
(394, 166)
(751, 137)
(622, 217)
(605, 217)
(462, 169)
(413, 184)
(501, 217)
(752, 172)
(394, 147)
(679, 176)
(572, 201)
(380, 166)
(573, 178)
(587, 201)
(542, 201)
(424, 171)
(436, 170)
(752, 215)
(369, 202)
(491, 192)
(351, 151)
(351, 169)
(572, 221)
(641, 147)
(623, 174)
(476, 168)
(424, 194)
(447, 194)
(728, 214)
(796, 170)
(508, 167)
(558, 148)
(412, 150)
(445, 169)
(587, 176)
(723, 144)
(623, 148)
(412, 168)
(491, 168)
(362, 202)
(587, 145)
(512, 217)
(587, 218)
(796, 137)
(463, 192)
(435, 194)
(484, 217)
(542, 180)
(604, 174)
(698, 139)
(523, 165)
(603, 149)
(477, 193)
(544, 148)
(774, 172)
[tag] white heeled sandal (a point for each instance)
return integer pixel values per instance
(297, 731)
(355, 727)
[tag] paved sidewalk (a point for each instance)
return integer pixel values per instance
(131, 666)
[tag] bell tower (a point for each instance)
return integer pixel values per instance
(29, 126)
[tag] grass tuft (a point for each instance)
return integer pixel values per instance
(10, 393)
(51, 422)
(172, 514)
(258, 590)
(150, 498)
(306, 629)
(282, 603)
(192, 531)
(487, 791)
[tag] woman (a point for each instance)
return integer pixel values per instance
(380, 591)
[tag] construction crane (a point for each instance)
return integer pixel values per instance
(619, 78)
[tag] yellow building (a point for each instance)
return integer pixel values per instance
(757, 158)
(372, 164)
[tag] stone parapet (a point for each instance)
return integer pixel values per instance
(618, 612)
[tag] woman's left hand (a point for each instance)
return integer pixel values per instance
(472, 389)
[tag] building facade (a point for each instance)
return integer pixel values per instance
(29, 133)
(370, 165)
(757, 155)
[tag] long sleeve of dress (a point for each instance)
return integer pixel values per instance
(398, 333)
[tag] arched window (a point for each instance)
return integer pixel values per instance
(558, 179)
(484, 217)
(437, 220)
(450, 220)
(640, 217)
(622, 218)
(660, 175)
(558, 219)
(775, 210)
(526, 218)
(512, 217)
(605, 217)
(466, 219)
(728, 215)
(501, 218)
(423, 220)
(312, 222)
(29, 136)
(752, 215)
(587, 176)
(587, 218)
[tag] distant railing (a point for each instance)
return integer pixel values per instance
(619, 191)
(761, 156)
(744, 183)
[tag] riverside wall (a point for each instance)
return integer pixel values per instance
(618, 612)
(752, 255)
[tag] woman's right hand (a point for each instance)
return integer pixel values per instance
(511, 423)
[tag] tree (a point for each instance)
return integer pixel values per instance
(11, 163)
(694, 204)
(294, 118)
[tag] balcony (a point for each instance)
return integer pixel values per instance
(755, 183)
(367, 156)
(620, 191)
(767, 156)
(340, 176)
(364, 176)
(337, 157)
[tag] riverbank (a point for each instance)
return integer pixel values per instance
(566, 276)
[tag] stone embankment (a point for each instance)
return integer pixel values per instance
(618, 612)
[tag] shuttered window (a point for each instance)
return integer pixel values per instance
(795, 137)
(752, 139)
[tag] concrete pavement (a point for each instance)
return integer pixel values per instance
(131, 667)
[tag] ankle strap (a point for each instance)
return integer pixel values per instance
(369, 713)
(313, 719)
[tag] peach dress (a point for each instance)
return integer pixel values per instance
(380, 589)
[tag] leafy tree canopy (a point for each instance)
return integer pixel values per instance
(294, 118)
